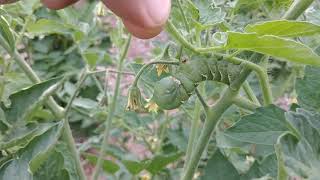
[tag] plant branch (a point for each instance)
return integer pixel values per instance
(250, 93)
(184, 18)
(111, 109)
(202, 101)
(245, 104)
(173, 31)
(83, 77)
(213, 117)
(194, 129)
(297, 8)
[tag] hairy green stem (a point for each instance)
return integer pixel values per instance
(174, 32)
(194, 128)
(201, 99)
(135, 82)
(184, 18)
(245, 104)
(111, 109)
(250, 93)
(213, 117)
(68, 138)
(261, 74)
(297, 8)
(83, 77)
(162, 132)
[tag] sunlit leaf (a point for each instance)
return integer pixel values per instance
(284, 28)
(283, 49)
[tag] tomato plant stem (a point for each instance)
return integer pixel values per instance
(201, 99)
(68, 138)
(184, 18)
(194, 130)
(250, 93)
(245, 104)
(213, 116)
(111, 109)
(83, 77)
(297, 8)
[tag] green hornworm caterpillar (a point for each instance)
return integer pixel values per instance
(171, 92)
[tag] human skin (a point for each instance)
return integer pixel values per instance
(143, 18)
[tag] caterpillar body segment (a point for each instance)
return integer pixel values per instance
(171, 92)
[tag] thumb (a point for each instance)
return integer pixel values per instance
(57, 4)
(141, 16)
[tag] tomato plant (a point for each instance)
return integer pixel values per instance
(226, 90)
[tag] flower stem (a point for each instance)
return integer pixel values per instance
(135, 82)
(111, 110)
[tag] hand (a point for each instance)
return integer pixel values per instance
(143, 18)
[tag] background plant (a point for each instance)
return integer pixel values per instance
(70, 70)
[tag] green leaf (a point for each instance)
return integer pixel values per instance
(266, 168)
(52, 169)
(154, 165)
(262, 127)
(299, 158)
(135, 167)
(38, 149)
(93, 56)
(59, 165)
(22, 100)
(219, 168)
(161, 161)
(107, 165)
(283, 49)
(284, 28)
(228, 142)
(18, 137)
(208, 13)
(6, 33)
(46, 26)
(308, 89)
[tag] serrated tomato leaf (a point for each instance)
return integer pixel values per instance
(37, 150)
(308, 89)
(280, 48)
(299, 157)
(262, 127)
(22, 100)
(284, 28)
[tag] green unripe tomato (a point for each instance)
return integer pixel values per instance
(169, 93)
